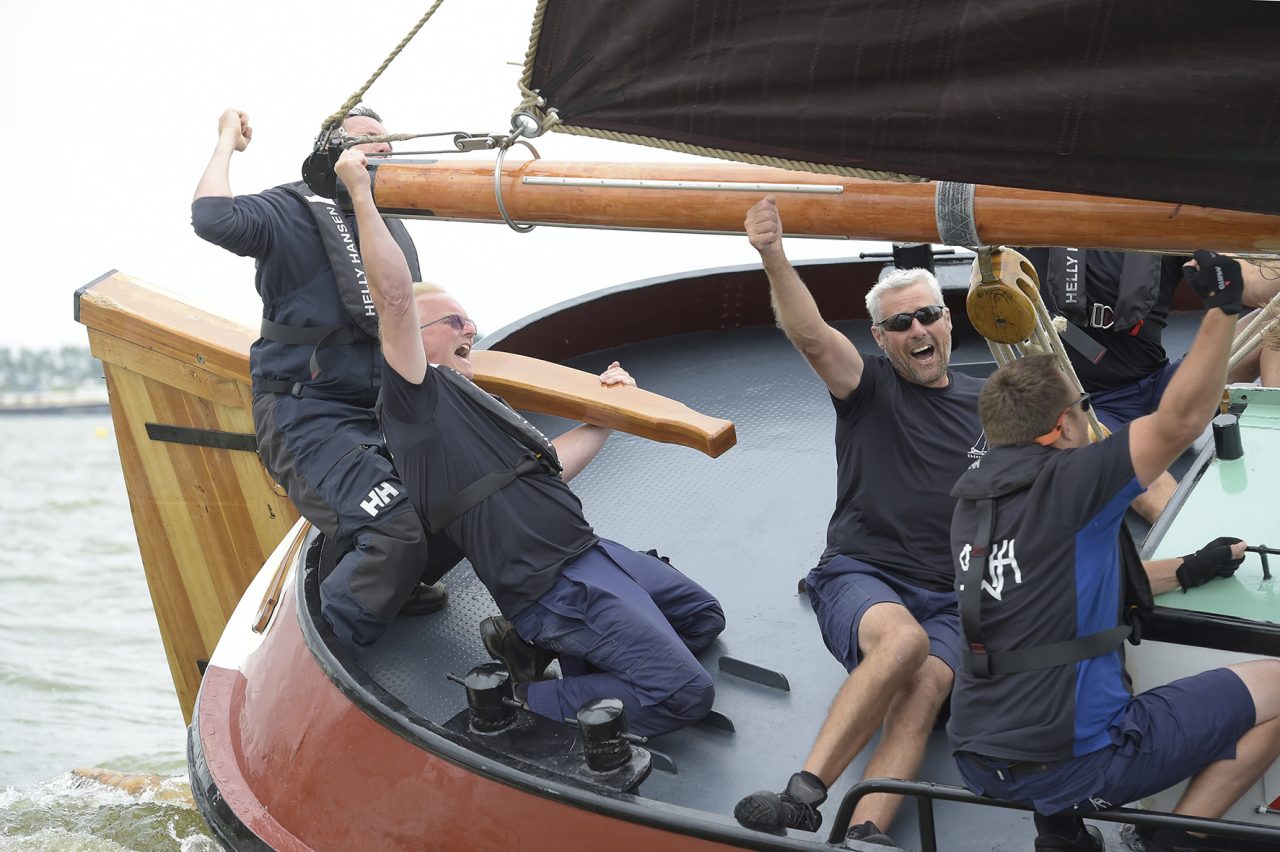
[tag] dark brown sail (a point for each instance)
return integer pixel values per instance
(1168, 100)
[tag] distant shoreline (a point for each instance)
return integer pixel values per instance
(54, 402)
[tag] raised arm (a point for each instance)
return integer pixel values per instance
(234, 134)
(1189, 402)
(390, 284)
(577, 447)
(831, 355)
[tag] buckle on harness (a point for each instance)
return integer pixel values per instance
(1102, 316)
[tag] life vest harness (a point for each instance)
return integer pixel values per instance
(340, 248)
(1138, 288)
(543, 458)
(981, 662)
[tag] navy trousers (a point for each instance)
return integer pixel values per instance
(328, 457)
(626, 626)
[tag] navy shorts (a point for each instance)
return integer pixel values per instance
(1121, 405)
(845, 588)
(1165, 735)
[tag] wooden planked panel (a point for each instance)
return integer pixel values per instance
(120, 306)
(206, 519)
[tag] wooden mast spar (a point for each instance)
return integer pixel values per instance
(713, 198)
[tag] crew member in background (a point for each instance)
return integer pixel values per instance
(1117, 307)
(316, 372)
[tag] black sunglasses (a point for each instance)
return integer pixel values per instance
(1083, 402)
(457, 322)
(927, 315)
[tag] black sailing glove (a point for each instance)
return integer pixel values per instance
(1212, 560)
(1218, 282)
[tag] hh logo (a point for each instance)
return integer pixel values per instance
(1001, 558)
(379, 498)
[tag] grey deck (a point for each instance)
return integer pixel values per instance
(747, 526)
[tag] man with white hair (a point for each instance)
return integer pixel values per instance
(883, 591)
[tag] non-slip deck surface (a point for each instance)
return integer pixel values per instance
(747, 526)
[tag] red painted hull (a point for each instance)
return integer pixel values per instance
(301, 767)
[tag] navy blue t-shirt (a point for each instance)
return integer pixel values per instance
(1053, 574)
(519, 538)
(899, 449)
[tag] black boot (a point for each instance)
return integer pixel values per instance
(868, 832)
(426, 598)
(794, 807)
(1066, 833)
(525, 662)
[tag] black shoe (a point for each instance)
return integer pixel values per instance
(795, 807)
(425, 598)
(1089, 840)
(869, 832)
(525, 662)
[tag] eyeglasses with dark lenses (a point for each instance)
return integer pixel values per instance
(457, 322)
(1083, 402)
(927, 315)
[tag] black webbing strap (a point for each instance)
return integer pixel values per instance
(446, 511)
(980, 662)
(1055, 654)
(977, 661)
(1090, 349)
(292, 335)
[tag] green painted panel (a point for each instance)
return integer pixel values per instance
(1239, 498)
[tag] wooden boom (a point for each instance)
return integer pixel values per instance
(206, 513)
(714, 197)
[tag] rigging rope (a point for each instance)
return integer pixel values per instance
(341, 113)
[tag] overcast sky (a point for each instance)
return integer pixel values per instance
(113, 114)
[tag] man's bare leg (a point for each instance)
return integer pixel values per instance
(1150, 503)
(893, 647)
(1269, 357)
(1219, 785)
(907, 725)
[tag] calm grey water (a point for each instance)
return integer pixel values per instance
(83, 676)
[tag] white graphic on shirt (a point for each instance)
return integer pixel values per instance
(979, 448)
(1001, 558)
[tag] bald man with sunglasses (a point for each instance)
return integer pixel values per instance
(883, 591)
(489, 486)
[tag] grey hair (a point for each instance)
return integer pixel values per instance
(367, 112)
(896, 280)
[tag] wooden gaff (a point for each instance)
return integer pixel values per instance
(810, 204)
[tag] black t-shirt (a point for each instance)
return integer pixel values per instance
(519, 538)
(1129, 357)
(1053, 574)
(899, 449)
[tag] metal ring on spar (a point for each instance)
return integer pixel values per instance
(518, 128)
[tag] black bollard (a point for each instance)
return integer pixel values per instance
(489, 697)
(1226, 437)
(603, 723)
